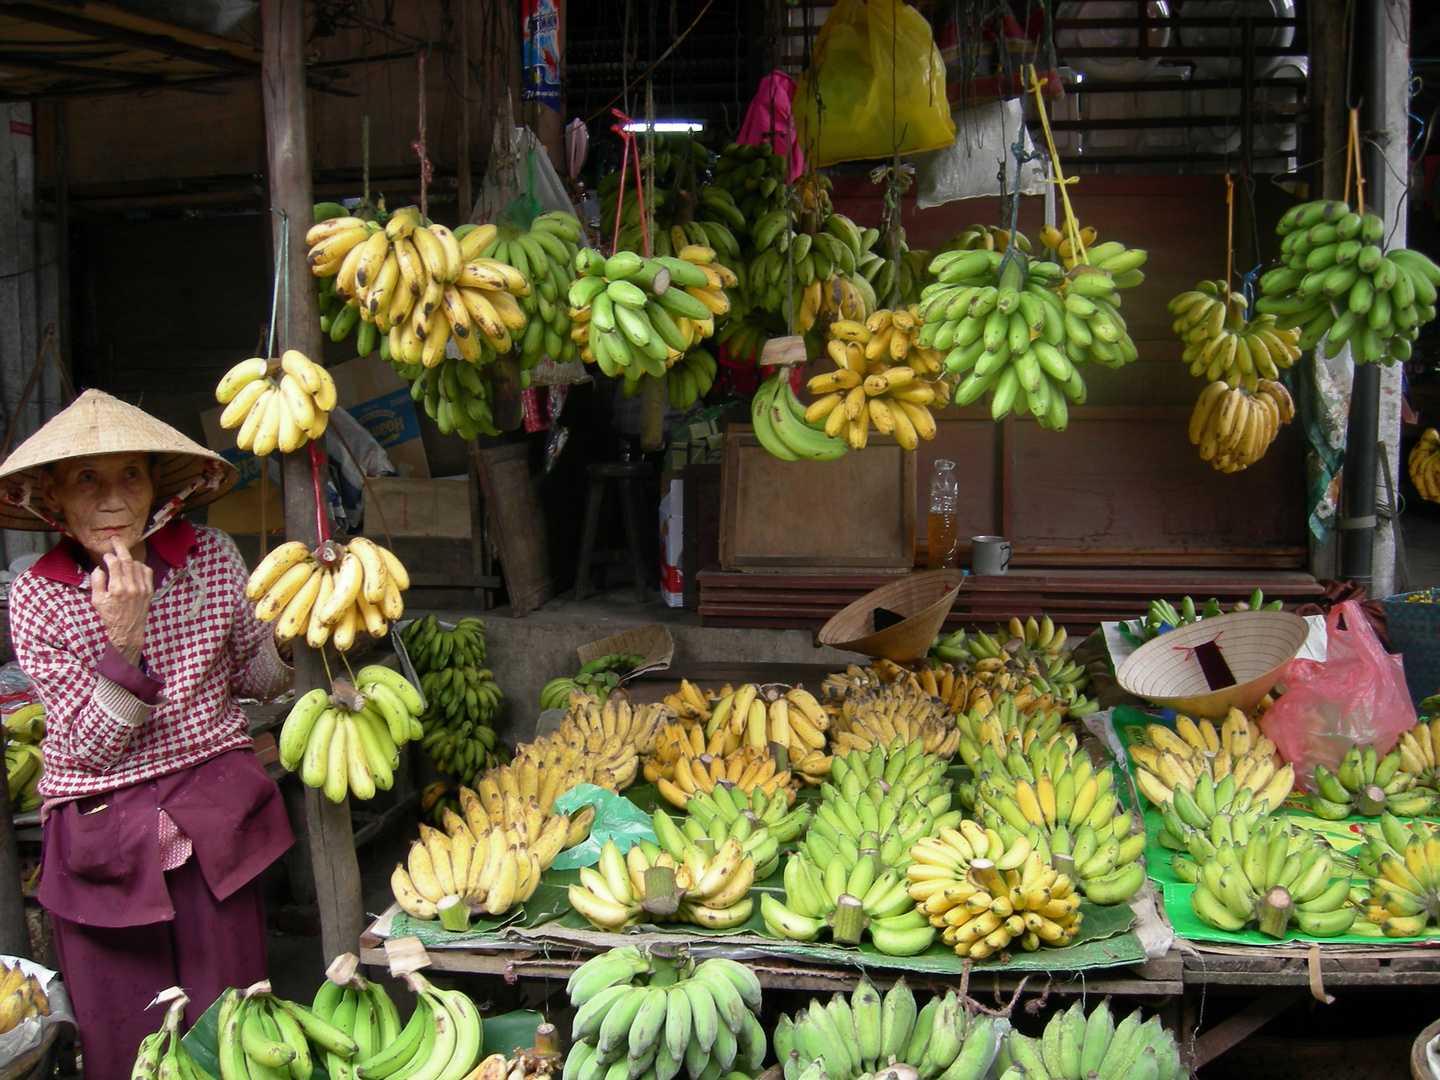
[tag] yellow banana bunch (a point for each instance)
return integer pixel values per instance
(710, 889)
(995, 238)
(614, 736)
(276, 415)
(882, 379)
(1177, 758)
(746, 768)
(690, 704)
(983, 895)
(749, 715)
(1402, 860)
(479, 865)
(1418, 748)
(1234, 427)
(890, 712)
(1058, 247)
(1424, 465)
(330, 596)
(1220, 343)
(21, 997)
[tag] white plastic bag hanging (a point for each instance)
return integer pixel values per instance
(968, 168)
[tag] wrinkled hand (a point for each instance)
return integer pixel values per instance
(121, 592)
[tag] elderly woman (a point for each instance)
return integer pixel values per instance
(138, 637)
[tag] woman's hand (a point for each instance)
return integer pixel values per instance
(121, 592)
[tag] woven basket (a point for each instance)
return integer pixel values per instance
(1255, 644)
(1419, 1063)
(924, 600)
(1414, 629)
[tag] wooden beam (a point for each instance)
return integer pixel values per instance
(159, 43)
(332, 844)
(1237, 1028)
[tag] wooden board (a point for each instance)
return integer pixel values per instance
(517, 523)
(855, 513)
(702, 528)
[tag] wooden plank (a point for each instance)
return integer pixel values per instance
(512, 501)
(332, 848)
(769, 508)
(1238, 1027)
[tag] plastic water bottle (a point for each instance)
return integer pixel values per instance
(943, 541)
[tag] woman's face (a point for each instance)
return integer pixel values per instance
(102, 498)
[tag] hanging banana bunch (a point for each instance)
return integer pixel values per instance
(276, 415)
(1221, 343)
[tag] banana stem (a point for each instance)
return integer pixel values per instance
(848, 920)
(454, 915)
(666, 962)
(547, 1040)
(987, 877)
(1275, 910)
(661, 897)
(1370, 800)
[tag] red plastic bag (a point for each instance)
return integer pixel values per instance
(1357, 696)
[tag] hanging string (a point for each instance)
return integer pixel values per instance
(322, 525)
(365, 156)
(1072, 226)
(281, 275)
(1229, 228)
(631, 149)
(1359, 174)
(427, 170)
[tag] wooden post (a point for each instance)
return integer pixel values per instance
(287, 133)
(466, 195)
(14, 932)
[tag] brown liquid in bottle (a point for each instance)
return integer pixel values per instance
(943, 542)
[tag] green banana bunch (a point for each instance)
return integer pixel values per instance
(727, 805)
(597, 678)
(260, 1035)
(1273, 877)
(1368, 785)
(24, 765)
(1403, 863)
(985, 311)
(691, 377)
(432, 647)
(849, 900)
(642, 1013)
(896, 276)
(705, 218)
(748, 178)
(343, 750)
(26, 724)
(1341, 286)
(1195, 810)
(1221, 343)
(544, 255)
(884, 799)
(755, 839)
(362, 1010)
(1003, 725)
(1052, 798)
(1074, 1046)
(164, 1049)
(779, 421)
(867, 1033)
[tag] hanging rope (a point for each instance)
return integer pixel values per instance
(630, 148)
(427, 170)
(281, 276)
(1072, 225)
(1229, 228)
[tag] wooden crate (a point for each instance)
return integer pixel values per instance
(855, 514)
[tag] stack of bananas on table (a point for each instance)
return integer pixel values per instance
(1271, 876)
(1424, 465)
(331, 594)
(705, 885)
(1403, 861)
(24, 760)
(636, 316)
(880, 801)
(612, 737)
(757, 716)
(510, 796)
(1076, 1045)
(850, 899)
(897, 711)
(596, 678)
(21, 997)
(725, 808)
(756, 840)
(349, 741)
(983, 896)
(1190, 810)
(1028, 659)
(867, 1034)
(643, 1014)
(261, 1034)
(1006, 725)
(1178, 757)
(272, 415)
(1220, 343)
(1233, 426)
(1005, 325)
(1163, 613)
(484, 862)
(783, 427)
(1418, 748)
(882, 379)
(747, 768)
(1054, 799)
(1368, 785)
(1341, 286)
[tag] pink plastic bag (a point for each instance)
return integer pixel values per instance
(1357, 696)
(771, 119)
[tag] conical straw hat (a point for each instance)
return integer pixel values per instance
(96, 423)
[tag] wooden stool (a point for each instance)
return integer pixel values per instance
(628, 475)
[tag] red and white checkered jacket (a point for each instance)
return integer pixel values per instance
(202, 642)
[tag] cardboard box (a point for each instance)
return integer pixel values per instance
(370, 391)
(406, 507)
(238, 512)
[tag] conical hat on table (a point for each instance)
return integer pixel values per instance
(96, 423)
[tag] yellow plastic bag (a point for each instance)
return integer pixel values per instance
(881, 82)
